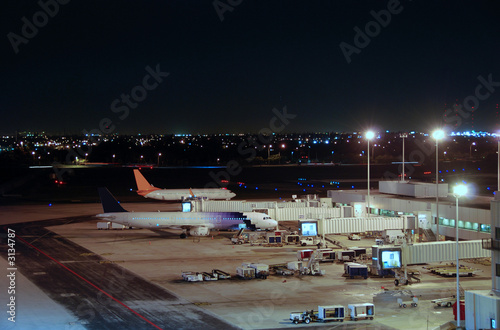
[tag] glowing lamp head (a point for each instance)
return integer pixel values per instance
(460, 190)
(369, 135)
(438, 134)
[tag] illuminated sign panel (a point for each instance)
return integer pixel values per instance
(390, 259)
(186, 207)
(308, 228)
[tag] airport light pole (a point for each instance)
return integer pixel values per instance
(159, 155)
(403, 136)
(368, 135)
(437, 135)
(470, 149)
(283, 146)
(458, 191)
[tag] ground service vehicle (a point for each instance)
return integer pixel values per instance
(445, 302)
(353, 237)
(324, 313)
(246, 273)
(192, 276)
(414, 302)
(310, 240)
(261, 270)
(365, 310)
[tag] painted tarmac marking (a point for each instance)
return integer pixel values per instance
(87, 281)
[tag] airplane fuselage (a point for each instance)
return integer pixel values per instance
(182, 220)
(181, 194)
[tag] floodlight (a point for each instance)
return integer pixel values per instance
(438, 134)
(369, 135)
(460, 190)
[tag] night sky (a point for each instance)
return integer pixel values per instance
(228, 75)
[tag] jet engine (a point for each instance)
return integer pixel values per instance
(199, 231)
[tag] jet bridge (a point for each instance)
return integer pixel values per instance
(443, 251)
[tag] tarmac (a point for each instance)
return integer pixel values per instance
(72, 276)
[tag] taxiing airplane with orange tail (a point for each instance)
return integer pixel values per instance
(147, 190)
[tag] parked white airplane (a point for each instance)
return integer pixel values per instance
(192, 223)
(144, 188)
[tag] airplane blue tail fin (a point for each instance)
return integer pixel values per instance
(108, 201)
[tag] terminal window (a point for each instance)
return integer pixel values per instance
(497, 269)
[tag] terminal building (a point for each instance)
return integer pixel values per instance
(482, 307)
(410, 207)
(396, 198)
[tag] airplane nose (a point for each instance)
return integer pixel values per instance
(273, 223)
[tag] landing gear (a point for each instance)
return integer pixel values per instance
(184, 235)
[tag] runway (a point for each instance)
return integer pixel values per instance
(101, 294)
